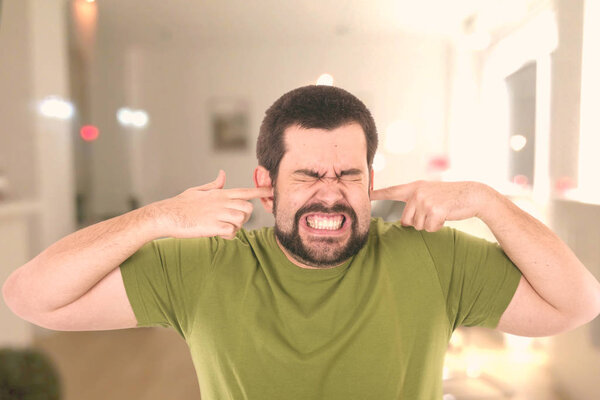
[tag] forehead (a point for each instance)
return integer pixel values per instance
(342, 147)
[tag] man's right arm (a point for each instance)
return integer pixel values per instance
(76, 283)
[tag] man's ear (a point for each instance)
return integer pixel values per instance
(263, 179)
(372, 176)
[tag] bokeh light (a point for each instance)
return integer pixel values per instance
(56, 107)
(89, 133)
(135, 118)
(325, 79)
(518, 142)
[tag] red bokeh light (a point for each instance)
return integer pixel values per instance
(564, 184)
(520, 180)
(438, 163)
(89, 133)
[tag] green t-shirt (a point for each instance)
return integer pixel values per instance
(375, 327)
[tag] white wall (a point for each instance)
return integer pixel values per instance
(17, 150)
(35, 151)
(402, 77)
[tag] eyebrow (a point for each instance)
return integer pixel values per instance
(314, 174)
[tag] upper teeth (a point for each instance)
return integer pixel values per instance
(329, 223)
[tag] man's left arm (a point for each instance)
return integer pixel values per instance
(556, 292)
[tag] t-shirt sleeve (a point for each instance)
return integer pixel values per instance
(477, 277)
(164, 277)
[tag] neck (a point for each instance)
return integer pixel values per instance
(299, 263)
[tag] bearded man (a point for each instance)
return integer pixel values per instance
(329, 303)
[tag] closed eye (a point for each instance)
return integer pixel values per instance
(311, 176)
(351, 175)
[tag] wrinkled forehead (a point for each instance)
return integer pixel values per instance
(342, 147)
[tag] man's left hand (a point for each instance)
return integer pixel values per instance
(430, 204)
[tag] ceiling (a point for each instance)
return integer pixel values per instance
(150, 20)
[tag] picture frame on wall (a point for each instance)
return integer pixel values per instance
(229, 119)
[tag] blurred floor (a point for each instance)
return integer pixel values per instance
(128, 364)
(154, 363)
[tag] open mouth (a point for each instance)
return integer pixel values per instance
(326, 222)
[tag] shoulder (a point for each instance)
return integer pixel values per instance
(396, 236)
(246, 242)
(385, 230)
(262, 236)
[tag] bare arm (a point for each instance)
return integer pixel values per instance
(75, 284)
(69, 268)
(556, 292)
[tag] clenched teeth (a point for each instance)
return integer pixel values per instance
(326, 223)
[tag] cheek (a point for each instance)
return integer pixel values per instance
(288, 202)
(362, 205)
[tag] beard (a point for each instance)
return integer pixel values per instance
(326, 253)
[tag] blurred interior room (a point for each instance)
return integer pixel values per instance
(107, 105)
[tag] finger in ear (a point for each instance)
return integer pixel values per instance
(262, 178)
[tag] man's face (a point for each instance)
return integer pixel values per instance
(321, 198)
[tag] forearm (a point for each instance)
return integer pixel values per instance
(69, 268)
(547, 263)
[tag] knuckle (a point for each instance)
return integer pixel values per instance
(419, 196)
(227, 229)
(435, 210)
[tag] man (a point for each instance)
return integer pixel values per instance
(328, 304)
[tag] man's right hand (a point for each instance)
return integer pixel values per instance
(207, 210)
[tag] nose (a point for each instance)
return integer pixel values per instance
(329, 191)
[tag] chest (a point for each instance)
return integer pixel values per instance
(360, 327)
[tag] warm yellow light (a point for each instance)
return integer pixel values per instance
(90, 1)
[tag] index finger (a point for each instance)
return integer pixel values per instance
(398, 193)
(250, 193)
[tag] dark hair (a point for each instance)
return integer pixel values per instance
(323, 107)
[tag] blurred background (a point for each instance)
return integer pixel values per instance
(107, 106)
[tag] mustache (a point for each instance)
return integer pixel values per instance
(338, 208)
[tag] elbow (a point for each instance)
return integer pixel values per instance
(9, 296)
(13, 297)
(14, 302)
(584, 311)
(587, 312)
(8, 292)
